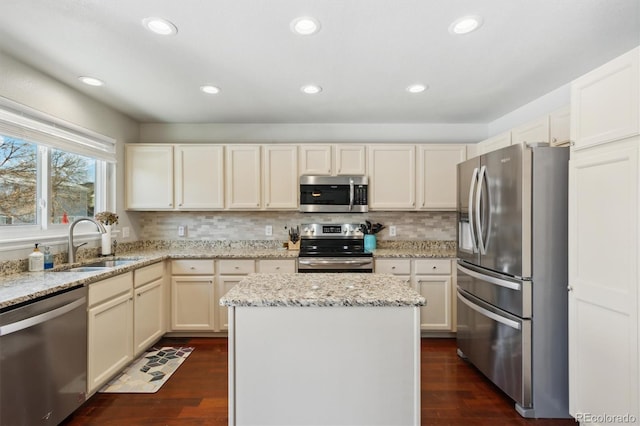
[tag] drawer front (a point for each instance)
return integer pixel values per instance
(433, 267)
(147, 274)
(192, 267)
(287, 266)
(236, 266)
(110, 287)
(393, 266)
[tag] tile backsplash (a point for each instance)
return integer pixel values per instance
(238, 225)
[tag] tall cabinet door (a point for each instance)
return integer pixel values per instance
(392, 177)
(603, 280)
(281, 177)
(243, 174)
(199, 176)
(149, 177)
(437, 173)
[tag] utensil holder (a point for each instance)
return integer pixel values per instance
(293, 246)
(369, 243)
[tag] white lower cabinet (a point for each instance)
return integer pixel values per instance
(110, 329)
(148, 306)
(231, 273)
(193, 295)
(433, 279)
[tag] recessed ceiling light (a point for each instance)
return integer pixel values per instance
(416, 88)
(91, 81)
(159, 26)
(465, 25)
(311, 89)
(305, 25)
(211, 90)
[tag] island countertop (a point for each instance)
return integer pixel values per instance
(321, 290)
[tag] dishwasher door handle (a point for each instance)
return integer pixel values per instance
(39, 319)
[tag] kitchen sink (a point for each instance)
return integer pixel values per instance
(100, 265)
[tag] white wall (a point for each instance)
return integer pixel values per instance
(27, 86)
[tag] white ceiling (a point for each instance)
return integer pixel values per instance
(366, 54)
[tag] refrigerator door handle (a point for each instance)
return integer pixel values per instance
(490, 279)
(481, 245)
(474, 179)
(489, 314)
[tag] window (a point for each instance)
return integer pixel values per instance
(50, 172)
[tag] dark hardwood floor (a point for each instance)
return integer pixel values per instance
(453, 393)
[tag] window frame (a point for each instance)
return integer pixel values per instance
(49, 133)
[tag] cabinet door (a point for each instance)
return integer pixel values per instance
(110, 339)
(494, 143)
(534, 131)
(392, 179)
(149, 177)
(225, 283)
(350, 160)
(192, 303)
(437, 177)
(436, 315)
(604, 102)
(243, 174)
(281, 177)
(559, 124)
(315, 160)
(199, 177)
(147, 315)
(603, 280)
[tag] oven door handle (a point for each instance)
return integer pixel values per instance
(334, 262)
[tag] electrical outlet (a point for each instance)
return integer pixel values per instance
(182, 230)
(392, 231)
(125, 232)
(268, 230)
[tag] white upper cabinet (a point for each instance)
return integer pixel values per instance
(149, 177)
(605, 102)
(392, 177)
(332, 160)
(559, 125)
(199, 177)
(437, 174)
(493, 143)
(280, 177)
(243, 177)
(531, 132)
(350, 160)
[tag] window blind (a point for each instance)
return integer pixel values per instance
(24, 123)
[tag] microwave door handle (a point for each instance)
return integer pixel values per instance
(351, 191)
(472, 183)
(481, 245)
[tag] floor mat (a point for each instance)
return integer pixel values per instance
(148, 373)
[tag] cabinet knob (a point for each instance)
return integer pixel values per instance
(554, 140)
(277, 267)
(435, 267)
(237, 267)
(180, 205)
(569, 288)
(393, 267)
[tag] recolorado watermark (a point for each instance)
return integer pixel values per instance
(605, 418)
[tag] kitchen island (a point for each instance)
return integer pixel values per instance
(323, 349)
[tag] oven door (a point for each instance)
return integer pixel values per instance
(335, 264)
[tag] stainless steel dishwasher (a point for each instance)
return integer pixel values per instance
(43, 359)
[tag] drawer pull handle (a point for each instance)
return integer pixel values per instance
(435, 267)
(192, 267)
(393, 267)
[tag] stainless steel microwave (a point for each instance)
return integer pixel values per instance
(334, 194)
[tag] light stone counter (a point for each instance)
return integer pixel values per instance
(326, 289)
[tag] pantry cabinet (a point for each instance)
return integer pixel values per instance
(605, 102)
(437, 176)
(149, 177)
(193, 295)
(392, 177)
(110, 329)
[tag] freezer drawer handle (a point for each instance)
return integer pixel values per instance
(39, 319)
(492, 280)
(489, 314)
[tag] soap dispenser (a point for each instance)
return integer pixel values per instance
(48, 259)
(36, 260)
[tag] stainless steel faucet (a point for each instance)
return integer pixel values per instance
(73, 248)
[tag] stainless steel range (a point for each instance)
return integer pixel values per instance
(333, 248)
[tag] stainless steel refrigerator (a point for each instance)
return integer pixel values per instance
(512, 274)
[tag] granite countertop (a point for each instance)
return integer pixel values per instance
(322, 290)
